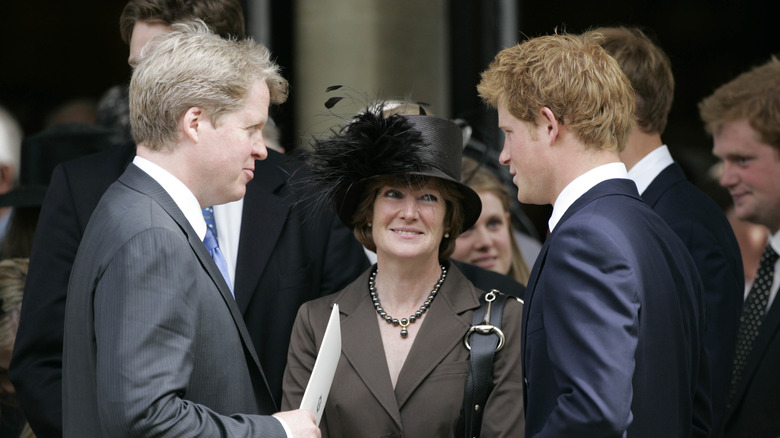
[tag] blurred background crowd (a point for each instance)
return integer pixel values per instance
(60, 58)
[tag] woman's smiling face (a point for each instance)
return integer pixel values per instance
(408, 221)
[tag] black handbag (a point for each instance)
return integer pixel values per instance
(483, 339)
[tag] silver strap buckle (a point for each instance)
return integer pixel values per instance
(486, 328)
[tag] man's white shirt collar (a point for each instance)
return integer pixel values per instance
(647, 169)
(179, 192)
(582, 184)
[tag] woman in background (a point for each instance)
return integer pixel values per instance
(490, 243)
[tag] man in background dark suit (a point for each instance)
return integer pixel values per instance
(613, 322)
(154, 342)
(700, 223)
(743, 117)
(284, 255)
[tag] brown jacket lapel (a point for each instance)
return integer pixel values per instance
(361, 344)
(442, 330)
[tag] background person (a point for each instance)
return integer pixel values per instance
(743, 117)
(490, 242)
(691, 214)
(154, 341)
(10, 156)
(13, 273)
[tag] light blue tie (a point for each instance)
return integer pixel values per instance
(212, 245)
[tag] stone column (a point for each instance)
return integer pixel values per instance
(374, 48)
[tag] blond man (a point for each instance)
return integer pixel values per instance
(612, 322)
(155, 344)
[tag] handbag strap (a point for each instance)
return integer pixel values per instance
(484, 339)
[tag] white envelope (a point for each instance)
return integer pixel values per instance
(324, 368)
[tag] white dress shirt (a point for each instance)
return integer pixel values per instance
(647, 169)
(179, 192)
(228, 220)
(575, 189)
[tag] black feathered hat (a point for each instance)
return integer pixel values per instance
(374, 145)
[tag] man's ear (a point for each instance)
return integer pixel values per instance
(192, 123)
(6, 178)
(550, 123)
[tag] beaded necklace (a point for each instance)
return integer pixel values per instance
(403, 322)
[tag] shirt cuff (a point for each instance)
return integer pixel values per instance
(286, 428)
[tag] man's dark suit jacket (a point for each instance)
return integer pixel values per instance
(286, 256)
(154, 342)
(613, 325)
(707, 234)
(755, 410)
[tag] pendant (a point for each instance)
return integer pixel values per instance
(404, 323)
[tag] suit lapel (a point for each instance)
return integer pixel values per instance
(443, 329)
(767, 331)
(361, 344)
(137, 179)
(528, 299)
(263, 217)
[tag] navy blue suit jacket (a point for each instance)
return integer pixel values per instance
(707, 234)
(613, 325)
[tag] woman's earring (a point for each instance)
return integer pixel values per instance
(369, 225)
(446, 235)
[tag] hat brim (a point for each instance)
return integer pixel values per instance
(350, 198)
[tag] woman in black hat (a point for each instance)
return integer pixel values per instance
(395, 181)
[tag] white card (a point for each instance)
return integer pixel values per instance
(324, 367)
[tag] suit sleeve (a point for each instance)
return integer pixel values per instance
(36, 368)
(145, 342)
(590, 313)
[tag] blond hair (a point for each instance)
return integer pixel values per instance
(574, 77)
(192, 67)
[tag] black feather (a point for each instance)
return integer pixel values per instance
(330, 103)
(370, 145)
